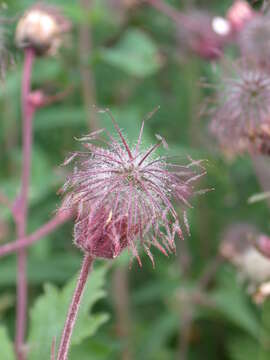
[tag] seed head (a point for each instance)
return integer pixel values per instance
(42, 28)
(241, 115)
(123, 196)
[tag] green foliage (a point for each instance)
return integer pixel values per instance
(6, 347)
(231, 302)
(48, 314)
(244, 348)
(136, 54)
(98, 350)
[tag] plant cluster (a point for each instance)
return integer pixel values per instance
(126, 194)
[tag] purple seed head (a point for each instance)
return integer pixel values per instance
(241, 114)
(123, 196)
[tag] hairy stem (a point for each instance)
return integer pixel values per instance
(74, 309)
(44, 230)
(22, 203)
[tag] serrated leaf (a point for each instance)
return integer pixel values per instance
(49, 312)
(6, 346)
(136, 54)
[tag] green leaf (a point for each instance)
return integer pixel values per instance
(129, 119)
(58, 269)
(244, 348)
(42, 181)
(97, 350)
(49, 312)
(156, 336)
(232, 303)
(53, 118)
(136, 54)
(6, 346)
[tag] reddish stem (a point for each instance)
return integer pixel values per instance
(74, 309)
(21, 206)
(44, 230)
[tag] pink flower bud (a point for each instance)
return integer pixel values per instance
(239, 14)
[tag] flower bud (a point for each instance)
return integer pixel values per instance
(239, 14)
(41, 28)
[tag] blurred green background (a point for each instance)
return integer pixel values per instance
(128, 59)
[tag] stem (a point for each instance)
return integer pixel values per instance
(121, 304)
(185, 328)
(74, 309)
(44, 230)
(22, 203)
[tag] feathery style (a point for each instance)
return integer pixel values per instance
(123, 196)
